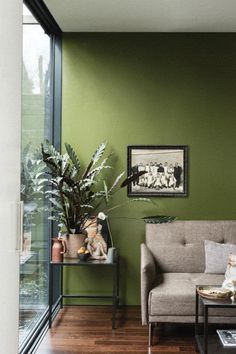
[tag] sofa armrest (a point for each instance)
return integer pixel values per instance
(148, 277)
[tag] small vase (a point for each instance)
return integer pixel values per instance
(73, 244)
(58, 250)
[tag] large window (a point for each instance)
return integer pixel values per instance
(36, 127)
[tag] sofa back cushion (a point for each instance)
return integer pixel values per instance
(179, 246)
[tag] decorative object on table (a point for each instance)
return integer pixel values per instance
(111, 254)
(58, 249)
(159, 219)
(83, 254)
(91, 226)
(230, 274)
(165, 167)
(106, 230)
(233, 290)
(78, 195)
(99, 239)
(214, 293)
(96, 245)
(227, 337)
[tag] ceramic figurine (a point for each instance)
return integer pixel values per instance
(96, 245)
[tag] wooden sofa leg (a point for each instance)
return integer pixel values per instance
(150, 334)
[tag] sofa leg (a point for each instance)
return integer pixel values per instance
(150, 334)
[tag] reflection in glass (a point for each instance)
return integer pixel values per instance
(35, 129)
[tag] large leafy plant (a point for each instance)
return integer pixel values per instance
(77, 194)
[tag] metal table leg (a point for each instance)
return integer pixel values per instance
(118, 281)
(114, 297)
(50, 295)
(196, 319)
(205, 329)
(61, 288)
(196, 313)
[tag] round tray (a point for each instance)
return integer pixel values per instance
(214, 293)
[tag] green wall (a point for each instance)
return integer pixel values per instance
(154, 89)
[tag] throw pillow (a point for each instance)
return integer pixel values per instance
(216, 256)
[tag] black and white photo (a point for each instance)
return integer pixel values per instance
(165, 170)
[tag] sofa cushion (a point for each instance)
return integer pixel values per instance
(216, 255)
(175, 294)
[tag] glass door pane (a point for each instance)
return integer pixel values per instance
(35, 129)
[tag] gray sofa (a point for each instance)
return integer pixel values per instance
(173, 263)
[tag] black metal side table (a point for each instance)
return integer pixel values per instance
(210, 344)
(112, 263)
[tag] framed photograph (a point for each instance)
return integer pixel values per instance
(165, 171)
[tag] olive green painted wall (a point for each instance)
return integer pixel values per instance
(154, 89)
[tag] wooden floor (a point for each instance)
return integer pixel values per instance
(87, 329)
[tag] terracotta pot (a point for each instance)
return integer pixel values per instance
(73, 244)
(58, 250)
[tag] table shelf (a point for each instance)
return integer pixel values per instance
(214, 345)
(210, 344)
(112, 263)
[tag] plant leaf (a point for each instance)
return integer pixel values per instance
(65, 164)
(87, 206)
(49, 162)
(54, 218)
(99, 152)
(132, 178)
(116, 182)
(97, 195)
(39, 175)
(72, 154)
(96, 156)
(98, 169)
(146, 200)
(56, 203)
(106, 192)
(87, 183)
(73, 172)
(159, 219)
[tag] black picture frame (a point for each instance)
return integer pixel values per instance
(167, 170)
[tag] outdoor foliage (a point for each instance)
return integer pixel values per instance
(32, 184)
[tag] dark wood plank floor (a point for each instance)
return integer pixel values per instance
(87, 329)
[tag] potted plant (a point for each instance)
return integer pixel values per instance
(78, 195)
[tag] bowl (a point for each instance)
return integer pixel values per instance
(83, 256)
(214, 293)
